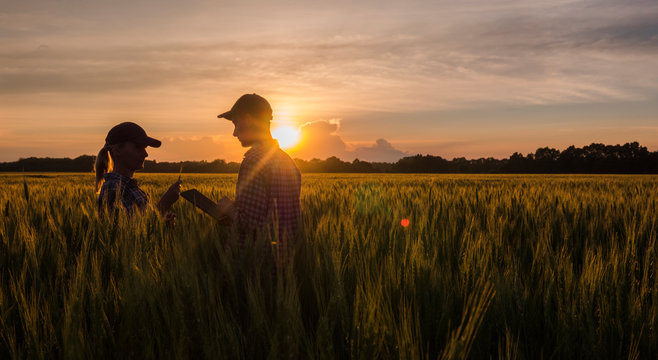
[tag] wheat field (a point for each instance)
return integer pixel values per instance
(487, 266)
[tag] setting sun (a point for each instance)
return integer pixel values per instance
(287, 136)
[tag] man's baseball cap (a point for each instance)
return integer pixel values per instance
(251, 104)
(129, 131)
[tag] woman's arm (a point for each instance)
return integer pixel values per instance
(169, 197)
(166, 200)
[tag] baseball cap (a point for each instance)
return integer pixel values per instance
(252, 104)
(129, 131)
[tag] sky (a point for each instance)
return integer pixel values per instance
(374, 80)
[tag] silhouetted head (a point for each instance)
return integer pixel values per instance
(251, 116)
(125, 148)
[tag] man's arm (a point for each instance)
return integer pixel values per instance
(251, 194)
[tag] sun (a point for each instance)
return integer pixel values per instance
(287, 136)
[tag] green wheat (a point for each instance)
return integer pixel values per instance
(497, 266)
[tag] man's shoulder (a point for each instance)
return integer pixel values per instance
(284, 169)
(284, 160)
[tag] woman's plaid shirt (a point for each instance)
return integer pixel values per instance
(267, 192)
(125, 188)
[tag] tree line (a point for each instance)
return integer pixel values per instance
(630, 158)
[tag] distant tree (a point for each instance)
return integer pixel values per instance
(546, 159)
(361, 166)
(631, 158)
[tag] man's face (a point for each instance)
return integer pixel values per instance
(246, 129)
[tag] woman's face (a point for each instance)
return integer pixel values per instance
(130, 155)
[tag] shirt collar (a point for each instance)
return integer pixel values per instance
(264, 144)
(115, 176)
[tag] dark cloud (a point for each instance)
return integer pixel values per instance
(416, 59)
(639, 34)
(561, 51)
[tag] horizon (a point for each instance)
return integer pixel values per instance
(370, 80)
(351, 161)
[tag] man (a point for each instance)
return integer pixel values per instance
(269, 182)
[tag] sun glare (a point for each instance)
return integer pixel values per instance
(287, 136)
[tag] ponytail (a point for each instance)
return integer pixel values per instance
(103, 165)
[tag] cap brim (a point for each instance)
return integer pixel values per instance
(149, 141)
(227, 115)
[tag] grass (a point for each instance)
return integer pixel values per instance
(493, 266)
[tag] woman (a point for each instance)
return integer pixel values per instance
(124, 153)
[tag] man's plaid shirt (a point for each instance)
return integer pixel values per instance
(131, 195)
(267, 192)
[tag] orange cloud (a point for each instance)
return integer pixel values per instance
(320, 140)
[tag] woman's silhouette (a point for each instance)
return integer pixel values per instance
(124, 152)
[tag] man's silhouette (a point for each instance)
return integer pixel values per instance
(269, 182)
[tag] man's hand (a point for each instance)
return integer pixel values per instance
(169, 197)
(226, 206)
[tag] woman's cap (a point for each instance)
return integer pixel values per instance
(129, 131)
(251, 104)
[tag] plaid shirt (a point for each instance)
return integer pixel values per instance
(267, 192)
(131, 195)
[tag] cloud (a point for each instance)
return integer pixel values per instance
(171, 63)
(319, 139)
(507, 52)
(381, 151)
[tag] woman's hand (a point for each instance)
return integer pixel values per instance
(170, 220)
(169, 197)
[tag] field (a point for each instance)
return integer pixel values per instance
(489, 266)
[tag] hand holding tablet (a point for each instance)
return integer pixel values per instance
(206, 205)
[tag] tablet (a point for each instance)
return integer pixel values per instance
(204, 203)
